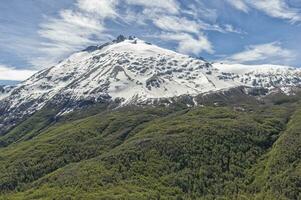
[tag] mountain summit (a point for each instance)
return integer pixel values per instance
(130, 70)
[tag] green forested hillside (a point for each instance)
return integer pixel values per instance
(249, 151)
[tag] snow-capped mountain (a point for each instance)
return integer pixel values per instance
(130, 70)
(265, 76)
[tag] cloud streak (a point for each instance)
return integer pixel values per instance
(239, 5)
(278, 9)
(10, 73)
(166, 6)
(188, 43)
(269, 53)
(76, 28)
(273, 8)
(185, 26)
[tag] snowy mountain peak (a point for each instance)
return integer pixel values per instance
(126, 69)
(119, 39)
(122, 38)
(131, 70)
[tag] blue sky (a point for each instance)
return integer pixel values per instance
(35, 34)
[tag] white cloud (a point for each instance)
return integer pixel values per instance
(9, 73)
(273, 8)
(177, 24)
(182, 24)
(277, 9)
(199, 10)
(229, 28)
(263, 53)
(71, 29)
(188, 33)
(166, 6)
(239, 5)
(101, 8)
(188, 44)
(74, 29)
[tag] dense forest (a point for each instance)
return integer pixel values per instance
(226, 151)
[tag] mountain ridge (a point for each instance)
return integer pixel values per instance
(132, 71)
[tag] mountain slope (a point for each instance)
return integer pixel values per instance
(152, 152)
(280, 172)
(5, 90)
